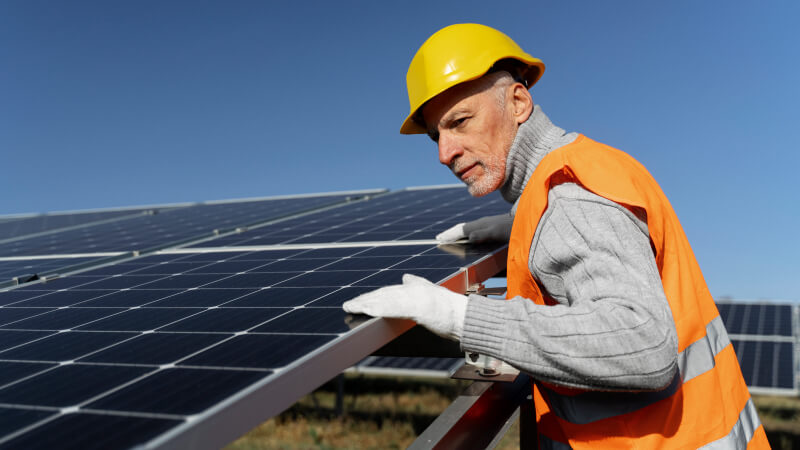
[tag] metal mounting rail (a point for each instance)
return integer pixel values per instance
(481, 416)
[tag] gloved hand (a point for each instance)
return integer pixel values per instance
(434, 307)
(489, 228)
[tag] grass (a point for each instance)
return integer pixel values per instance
(781, 419)
(390, 412)
(377, 413)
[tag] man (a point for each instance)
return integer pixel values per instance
(607, 308)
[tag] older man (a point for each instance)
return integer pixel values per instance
(607, 308)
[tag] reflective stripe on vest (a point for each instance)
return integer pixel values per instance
(739, 437)
(591, 406)
(698, 358)
(742, 432)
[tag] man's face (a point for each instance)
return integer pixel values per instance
(474, 129)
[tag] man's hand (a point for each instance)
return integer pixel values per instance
(490, 228)
(434, 307)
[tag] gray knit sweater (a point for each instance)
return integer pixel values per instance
(612, 328)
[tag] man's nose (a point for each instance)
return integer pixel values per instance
(448, 149)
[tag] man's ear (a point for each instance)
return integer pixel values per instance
(522, 102)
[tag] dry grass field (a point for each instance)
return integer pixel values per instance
(390, 412)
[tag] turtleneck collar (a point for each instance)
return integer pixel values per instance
(535, 138)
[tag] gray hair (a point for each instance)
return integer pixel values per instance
(500, 82)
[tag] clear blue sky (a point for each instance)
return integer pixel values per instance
(124, 103)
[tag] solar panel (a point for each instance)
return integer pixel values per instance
(403, 215)
(161, 347)
(169, 346)
(168, 227)
(764, 337)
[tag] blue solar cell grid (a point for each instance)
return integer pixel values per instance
(403, 215)
(160, 338)
(766, 364)
(144, 343)
(761, 319)
(144, 232)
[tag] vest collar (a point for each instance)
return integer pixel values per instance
(535, 138)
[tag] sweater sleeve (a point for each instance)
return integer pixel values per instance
(611, 329)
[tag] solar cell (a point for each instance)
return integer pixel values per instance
(153, 340)
(17, 370)
(60, 319)
(11, 315)
(308, 320)
(9, 339)
(155, 348)
(63, 347)
(15, 419)
(177, 391)
(69, 384)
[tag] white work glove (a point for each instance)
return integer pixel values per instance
(434, 307)
(489, 228)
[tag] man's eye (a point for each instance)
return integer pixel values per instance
(459, 122)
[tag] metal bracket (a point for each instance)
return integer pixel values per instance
(481, 367)
(498, 291)
(475, 288)
(477, 373)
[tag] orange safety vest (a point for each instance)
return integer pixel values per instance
(708, 401)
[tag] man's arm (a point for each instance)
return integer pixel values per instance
(612, 328)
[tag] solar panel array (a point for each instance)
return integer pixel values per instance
(127, 231)
(765, 339)
(189, 347)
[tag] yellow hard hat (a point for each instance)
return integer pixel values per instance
(456, 54)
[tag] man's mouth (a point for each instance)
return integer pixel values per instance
(464, 173)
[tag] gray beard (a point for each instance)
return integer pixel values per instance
(494, 173)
